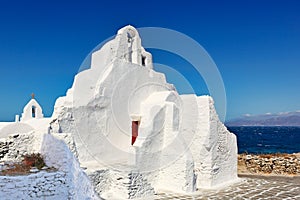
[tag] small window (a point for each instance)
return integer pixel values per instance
(144, 60)
(129, 37)
(33, 110)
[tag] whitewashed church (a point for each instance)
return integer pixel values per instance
(133, 134)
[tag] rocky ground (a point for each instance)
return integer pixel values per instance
(269, 164)
(251, 187)
(265, 176)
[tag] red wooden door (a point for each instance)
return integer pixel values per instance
(135, 131)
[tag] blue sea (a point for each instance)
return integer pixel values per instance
(261, 139)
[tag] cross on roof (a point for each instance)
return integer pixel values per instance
(32, 95)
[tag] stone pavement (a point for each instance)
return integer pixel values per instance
(251, 187)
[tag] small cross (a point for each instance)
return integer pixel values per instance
(32, 95)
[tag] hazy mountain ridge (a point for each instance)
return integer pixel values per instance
(280, 119)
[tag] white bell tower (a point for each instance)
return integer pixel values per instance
(32, 110)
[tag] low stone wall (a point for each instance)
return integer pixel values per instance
(277, 164)
(15, 146)
(68, 139)
(4, 148)
(68, 182)
(58, 155)
(42, 185)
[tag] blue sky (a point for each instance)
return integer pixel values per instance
(255, 44)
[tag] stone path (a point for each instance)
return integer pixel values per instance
(251, 187)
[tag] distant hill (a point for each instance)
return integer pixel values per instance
(280, 119)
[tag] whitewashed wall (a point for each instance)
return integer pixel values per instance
(42, 185)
